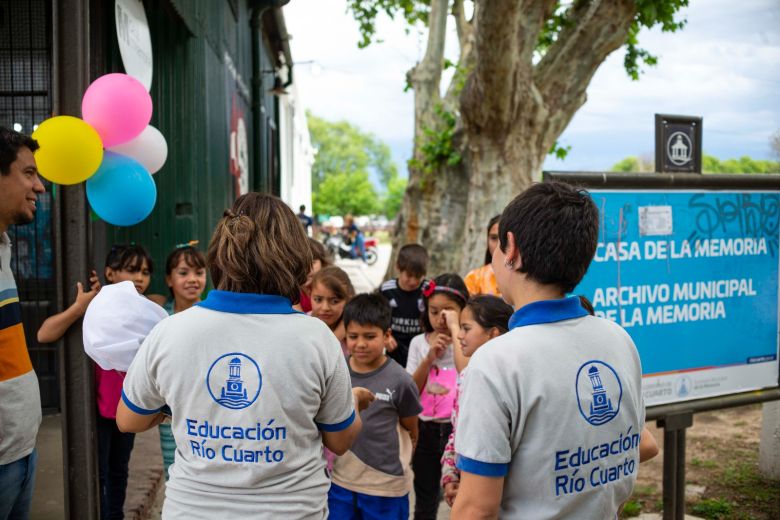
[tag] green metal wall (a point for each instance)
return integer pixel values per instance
(192, 91)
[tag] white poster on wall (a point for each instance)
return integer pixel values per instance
(135, 42)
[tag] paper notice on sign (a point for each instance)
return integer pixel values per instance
(655, 220)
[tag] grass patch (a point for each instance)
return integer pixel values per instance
(703, 463)
(631, 508)
(714, 508)
(645, 490)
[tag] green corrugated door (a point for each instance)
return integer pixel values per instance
(193, 91)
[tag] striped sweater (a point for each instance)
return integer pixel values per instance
(20, 398)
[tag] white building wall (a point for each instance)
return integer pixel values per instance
(296, 151)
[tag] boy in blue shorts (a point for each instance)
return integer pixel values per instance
(551, 413)
(372, 479)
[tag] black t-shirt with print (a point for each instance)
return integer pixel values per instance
(406, 307)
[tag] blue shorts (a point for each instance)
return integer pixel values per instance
(344, 504)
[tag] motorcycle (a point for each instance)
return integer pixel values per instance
(339, 247)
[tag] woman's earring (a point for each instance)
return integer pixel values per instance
(509, 264)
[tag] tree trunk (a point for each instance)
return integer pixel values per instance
(512, 112)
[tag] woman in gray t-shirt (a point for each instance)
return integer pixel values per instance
(254, 388)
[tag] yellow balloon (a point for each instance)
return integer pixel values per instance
(70, 150)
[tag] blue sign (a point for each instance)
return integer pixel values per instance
(693, 277)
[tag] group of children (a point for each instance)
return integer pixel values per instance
(409, 344)
(185, 276)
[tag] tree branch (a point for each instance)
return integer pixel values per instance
(462, 25)
(506, 35)
(598, 27)
(425, 77)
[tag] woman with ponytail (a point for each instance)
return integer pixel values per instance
(254, 387)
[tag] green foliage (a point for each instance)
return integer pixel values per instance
(699, 463)
(394, 197)
(552, 27)
(710, 164)
(437, 146)
(627, 165)
(631, 508)
(366, 11)
(634, 164)
(649, 14)
(346, 192)
(744, 164)
(560, 152)
(714, 508)
(342, 147)
(341, 171)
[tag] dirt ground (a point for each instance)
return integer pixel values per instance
(722, 458)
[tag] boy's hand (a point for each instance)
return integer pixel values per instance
(450, 492)
(392, 344)
(363, 397)
(83, 298)
(439, 345)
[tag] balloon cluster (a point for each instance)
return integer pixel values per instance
(116, 110)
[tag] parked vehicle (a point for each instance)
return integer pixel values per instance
(339, 246)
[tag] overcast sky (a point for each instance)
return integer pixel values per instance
(724, 66)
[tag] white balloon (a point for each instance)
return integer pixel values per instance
(149, 149)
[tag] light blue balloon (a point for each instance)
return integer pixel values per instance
(121, 192)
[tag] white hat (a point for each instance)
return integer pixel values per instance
(116, 323)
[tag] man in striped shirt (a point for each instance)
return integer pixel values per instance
(20, 399)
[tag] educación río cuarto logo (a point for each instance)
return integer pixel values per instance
(599, 392)
(234, 380)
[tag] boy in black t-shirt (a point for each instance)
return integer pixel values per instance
(405, 296)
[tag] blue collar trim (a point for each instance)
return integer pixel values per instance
(247, 303)
(547, 311)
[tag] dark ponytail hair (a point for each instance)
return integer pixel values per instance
(259, 246)
(450, 285)
(488, 253)
(490, 312)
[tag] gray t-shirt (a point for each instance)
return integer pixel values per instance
(250, 384)
(396, 397)
(377, 464)
(555, 407)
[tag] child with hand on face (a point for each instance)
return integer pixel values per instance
(432, 365)
(372, 479)
(482, 319)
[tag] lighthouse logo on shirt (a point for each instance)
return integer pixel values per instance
(234, 380)
(599, 392)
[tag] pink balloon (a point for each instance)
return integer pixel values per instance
(118, 107)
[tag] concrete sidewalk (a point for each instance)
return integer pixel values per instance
(145, 473)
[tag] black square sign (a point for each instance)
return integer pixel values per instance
(677, 143)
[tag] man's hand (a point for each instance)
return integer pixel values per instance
(450, 492)
(363, 397)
